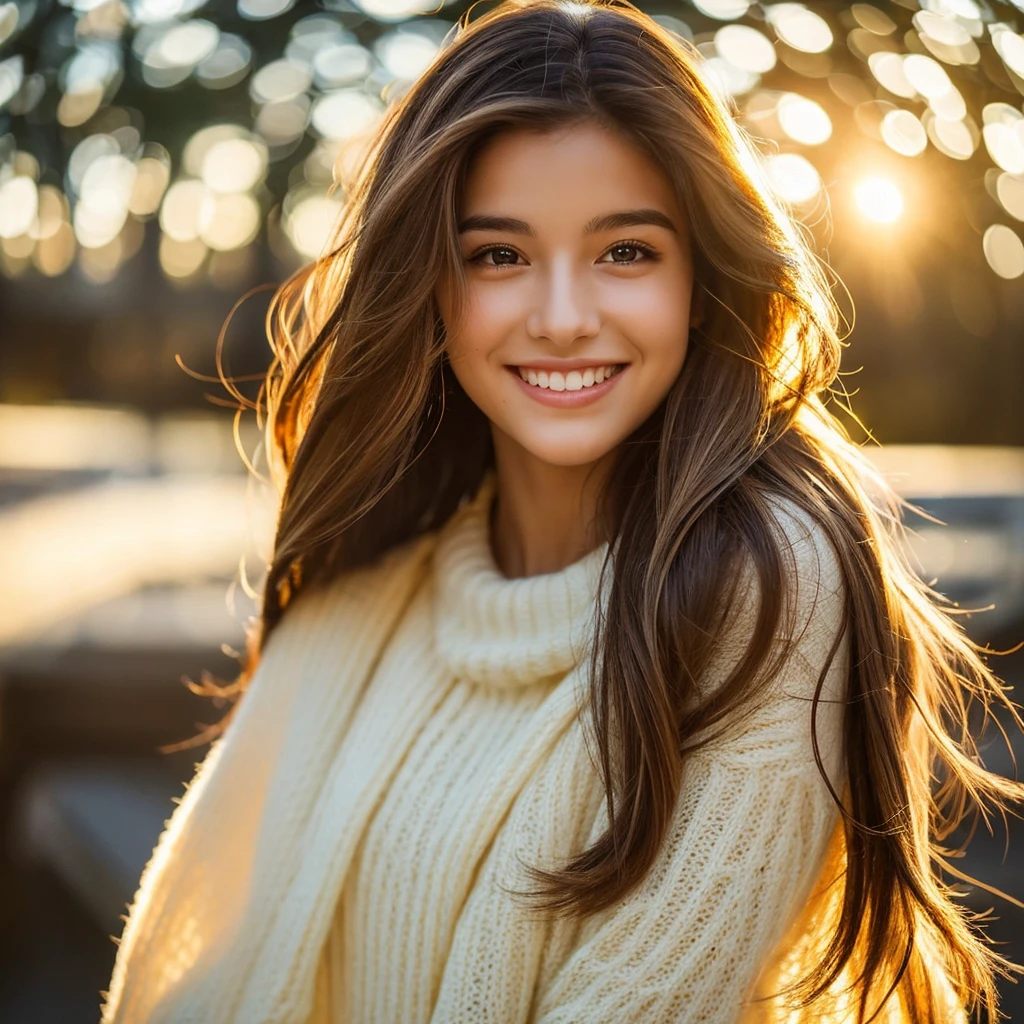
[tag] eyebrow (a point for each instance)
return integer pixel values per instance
(608, 222)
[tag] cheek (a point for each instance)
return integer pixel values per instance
(667, 349)
(465, 352)
(474, 340)
(655, 311)
(661, 335)
(468, 357)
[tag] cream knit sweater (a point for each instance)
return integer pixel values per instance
(410, 734)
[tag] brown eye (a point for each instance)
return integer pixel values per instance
(647, 252)
(479, 257)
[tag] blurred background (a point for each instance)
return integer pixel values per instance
(161, 160)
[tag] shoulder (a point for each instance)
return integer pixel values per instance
(804, 541)
(810, 563)
(327, 608)
(813, 627)
(328, 635)
(811, 586)
(807, 656)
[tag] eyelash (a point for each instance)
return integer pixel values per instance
(649, 254)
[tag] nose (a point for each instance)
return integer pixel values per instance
(564, 310)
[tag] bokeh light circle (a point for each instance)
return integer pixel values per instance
(1010, 193)
(903, 133)
(800, 27)
(745, 48)
(187, 207)
(803, 120)
(18, 204)
(794, 177)
(722, 10)
(1004, 251)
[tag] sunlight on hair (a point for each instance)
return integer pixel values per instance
(790, 363)
(879, 200)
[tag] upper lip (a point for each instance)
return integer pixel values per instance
(566, 365)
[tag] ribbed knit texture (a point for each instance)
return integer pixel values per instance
(409, 740)
(500, 632)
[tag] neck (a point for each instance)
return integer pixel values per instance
(545, 516)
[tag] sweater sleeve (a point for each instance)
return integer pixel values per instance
(749, 836)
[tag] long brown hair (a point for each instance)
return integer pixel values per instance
(373, 443)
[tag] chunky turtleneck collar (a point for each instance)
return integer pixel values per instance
(507, 632)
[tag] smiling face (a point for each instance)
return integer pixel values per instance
(579, 279)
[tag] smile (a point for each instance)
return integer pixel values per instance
(574, 380)
(568, 389)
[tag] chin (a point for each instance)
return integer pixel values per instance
(567, 453)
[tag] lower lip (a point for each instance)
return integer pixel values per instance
(568, 399)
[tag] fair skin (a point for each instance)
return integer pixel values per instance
(601, 318)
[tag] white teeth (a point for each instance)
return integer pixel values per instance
(574, 380)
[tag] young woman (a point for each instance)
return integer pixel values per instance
(591, 683)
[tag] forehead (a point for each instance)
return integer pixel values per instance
(577, 170)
